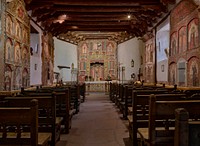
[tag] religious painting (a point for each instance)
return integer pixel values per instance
(84, 48)
(193, 34)
(17, 78)
(17, 30)
(174, 40)
(9, 51)
(17, 53)
(181, 11)
(9, 25)
(25, 58)
(149, 74)
(91, 46)
(193, 78)
(151, 53)
(147, 49)
(111, 65)
(82, 66)
(25, 35)
(103, 46)
(182, 47)
(172, 74)
(20, 12)
(110, 47)
(96, 58)
(25, 78)
(8, 78)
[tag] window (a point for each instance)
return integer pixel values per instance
(181, 73)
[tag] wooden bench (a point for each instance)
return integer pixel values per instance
(47, 121)
(140, 108)
(82, 92)
(143, 90)
(164, 111)
(19, 126)
(187, 132)
(63, 108)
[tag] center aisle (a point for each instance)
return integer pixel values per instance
(97, 124)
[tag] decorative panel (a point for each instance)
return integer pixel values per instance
(17, 42)
(148, 71)
(97, 60)
(193, 72)
(184, 42)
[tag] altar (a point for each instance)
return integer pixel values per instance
(97, 86)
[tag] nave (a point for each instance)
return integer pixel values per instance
(97, 124)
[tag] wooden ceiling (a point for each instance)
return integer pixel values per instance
(77, 20)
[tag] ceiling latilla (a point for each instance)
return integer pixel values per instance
(106, 16)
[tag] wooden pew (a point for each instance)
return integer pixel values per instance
(120, 98)
(47, 113)
(82, 92)
(142, 90)
(24, 122)
(140, 108)
(186, 132)
(63, 108)
(164, 111)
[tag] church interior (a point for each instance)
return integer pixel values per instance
(116, 50)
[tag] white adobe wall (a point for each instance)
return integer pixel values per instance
(65, 54)
(131, 49)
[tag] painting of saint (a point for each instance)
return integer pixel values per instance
(8, 78)
(193, 34)
(17, 30)
(9, 51)
(17, 54)
(172, 74)
(25, 56)
(193, 72)
(9, 25)
(182, 40)
(173, 44)
(25, 78)
(17, 78)
(20, 12)
(84, 48)
(110, 47)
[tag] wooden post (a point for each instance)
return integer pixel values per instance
(181, 137)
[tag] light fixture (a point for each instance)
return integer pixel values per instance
(129, 16)
(60, 19)
(74, 27)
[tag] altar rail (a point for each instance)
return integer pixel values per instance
(101, 86)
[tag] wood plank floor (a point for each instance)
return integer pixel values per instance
(97, 124)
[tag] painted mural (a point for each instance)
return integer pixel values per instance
(174, 42)
(8, 78)
(17, 56)
(182, 47)
(172, 73)
(148, 74)
(193, 34)
(9, 51)
(184, 44)
(97, 60)
(193, 72)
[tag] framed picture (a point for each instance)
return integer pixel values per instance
(132, 63)
(162, 68)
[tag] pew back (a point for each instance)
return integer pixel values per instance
(17, 118)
